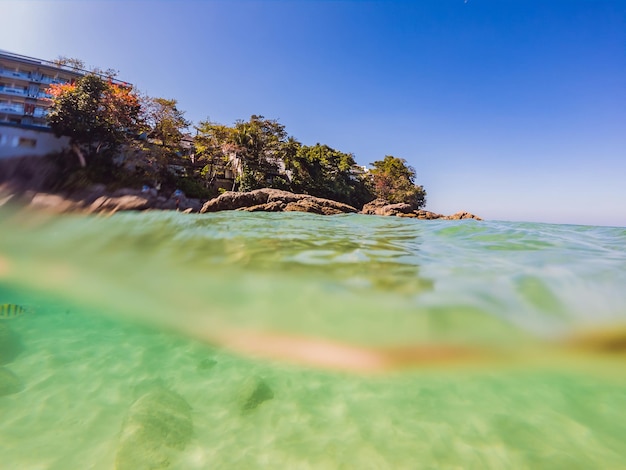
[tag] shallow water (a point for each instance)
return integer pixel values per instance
(143, 305)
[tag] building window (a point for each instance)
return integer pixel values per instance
(26, 142)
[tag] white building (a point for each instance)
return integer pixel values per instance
(24, 103)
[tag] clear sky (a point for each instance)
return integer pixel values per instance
(510, 109)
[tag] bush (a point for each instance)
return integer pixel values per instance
(192, 188)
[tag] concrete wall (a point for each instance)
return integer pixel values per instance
(18, 141)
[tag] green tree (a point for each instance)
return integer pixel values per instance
(164, 121)
(214, 143)
(322, 171)
(394, 180)
(260, 147)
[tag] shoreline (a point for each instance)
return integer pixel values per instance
(97, 200)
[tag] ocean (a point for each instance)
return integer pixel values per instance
(241, 340)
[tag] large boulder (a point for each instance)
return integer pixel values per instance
(275, 200)
(385, 208)
(54, 203)
(461, 215)
(231, 200)
(427, 215)
(128, 202)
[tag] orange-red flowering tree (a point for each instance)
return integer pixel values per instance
(96, 114)
(394, 181)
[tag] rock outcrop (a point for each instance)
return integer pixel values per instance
(386, 208)
(275, 200)
(25, 182)
(97, 200)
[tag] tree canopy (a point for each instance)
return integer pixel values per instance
(99, 115)
(163, 120)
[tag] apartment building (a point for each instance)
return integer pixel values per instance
(24, 104)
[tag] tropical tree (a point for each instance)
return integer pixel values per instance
(394, 180)
(260, 146)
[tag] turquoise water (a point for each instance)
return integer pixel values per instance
(289, 340)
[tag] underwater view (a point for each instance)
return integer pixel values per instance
(239, 340)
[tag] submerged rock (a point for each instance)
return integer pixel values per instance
(253, 393)
(10, 345)
(157, 421)
(206, 364)
(9, 382)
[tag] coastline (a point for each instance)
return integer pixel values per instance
(97, 200)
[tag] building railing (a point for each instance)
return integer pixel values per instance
(12, 90)
(11, 109)
(51, 67)
(14, 74)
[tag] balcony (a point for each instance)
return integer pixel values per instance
(7, 90)
(14, 74)
(40, 113)
(12, 109)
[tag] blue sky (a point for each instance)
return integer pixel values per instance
(510, 109)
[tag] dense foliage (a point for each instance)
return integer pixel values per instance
(120, 138)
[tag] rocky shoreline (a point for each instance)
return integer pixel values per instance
(97, 200)
(24, 182)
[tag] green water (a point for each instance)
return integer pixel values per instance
(122, 362)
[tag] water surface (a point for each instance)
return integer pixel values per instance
(148, 304)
